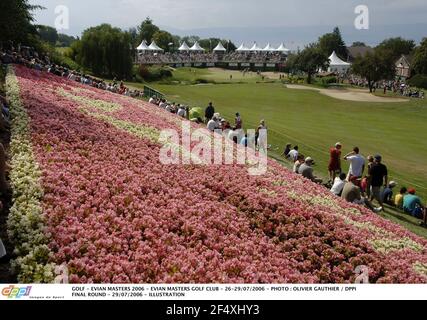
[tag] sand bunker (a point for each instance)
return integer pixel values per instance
(348, 94)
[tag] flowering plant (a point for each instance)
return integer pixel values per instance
(90, 192)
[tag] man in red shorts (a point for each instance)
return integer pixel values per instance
(335, 162)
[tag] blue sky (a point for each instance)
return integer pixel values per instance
(241, 16)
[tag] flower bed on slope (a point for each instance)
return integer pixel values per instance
(111, 212)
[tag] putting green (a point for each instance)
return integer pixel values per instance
(315, 122)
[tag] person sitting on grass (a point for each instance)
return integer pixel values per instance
(306, 170)
(339, 184)
(213, 124)
(387, 193)
(351, 193)
(398, 200)
(412, 204)
(424, 222)
(287, 150)
(293, 154)
(298, 163)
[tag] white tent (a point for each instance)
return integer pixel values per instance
(143, 46)
(242, 48)
(255, 48)
(220, 47)
(184, 47)
(197, 47)
(154, 47)
(269, 48)
(337, 65)
(282, 49)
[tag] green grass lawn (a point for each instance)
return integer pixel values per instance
(316, 122)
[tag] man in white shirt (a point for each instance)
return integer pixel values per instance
(357, 163)
(181, 112)
(293, 154)
(339, 184)
(213, 124)
(163, 104)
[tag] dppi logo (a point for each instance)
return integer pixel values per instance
(15, 292)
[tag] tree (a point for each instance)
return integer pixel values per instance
(396, 47)
(134, 35)
(419, 64)
(106, 51)
(48, 34)
(374, 67)
(310, 60)
(331, 42)
(147, 30)
(190, 40)
(164, 40)
(358, 44)
(16, 19)
(65, 40)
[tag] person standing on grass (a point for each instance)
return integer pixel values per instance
(209, 113)
(335, 162)
(238, 122)
(357, 163)
(379, 178)
(368, 177)
(261, 134)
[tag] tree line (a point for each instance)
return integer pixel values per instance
(380, 64)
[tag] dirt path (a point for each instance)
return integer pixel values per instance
(348, 94)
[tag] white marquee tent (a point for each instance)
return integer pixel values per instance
(255, 48)
(219, 48)
(269, 48)
(143, 47)
(242, 48)
(282, 49)
(337, 65)
(197, 47)
(154, 47)
(184, 47)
